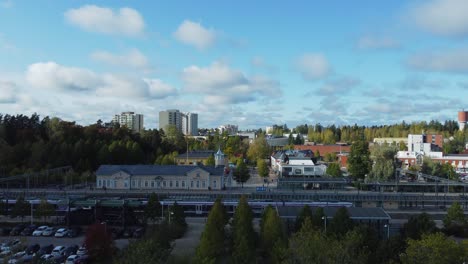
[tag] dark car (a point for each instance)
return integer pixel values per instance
(45, 250)
(127, 233)
(70, 250)
(31, 249)
(28, 230)
(17, 229)
(116, 233)
(83, 260)
(138, 233)
(74, 231)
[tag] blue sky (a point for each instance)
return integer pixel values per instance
(250, 63)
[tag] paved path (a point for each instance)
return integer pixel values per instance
(186, 245)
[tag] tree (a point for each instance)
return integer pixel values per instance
(433, 249)
(334, 170)
(341, 222)
(317, 220)
(359, 163)
(418, 226)
(178, 225)
(21, 208)
(44, 209)
(305, 213)
(210, 161)
(243, 234)
(259, 149)
(153, 208)
(262, 168)
(241, 172)
(455, 216)
(384, 162)
(211, 246)
(99, 243)
(272, 237)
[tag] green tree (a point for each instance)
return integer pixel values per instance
(210, 161)
(419, 225)
(317, 220)
(262, 168)
(178, 224)
(259, 149)
(243, 235)
(455, 216)
(153, 208)
(21, 208)
(433, 249)
(211, 246)
(45, 210)
(305, 213)
(384, 162)
(359, 163)
(241, 172)
(334, 170)
(341, 223)
(272, 236)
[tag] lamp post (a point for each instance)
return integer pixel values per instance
(170, 213)
(324, 218)
(388, 230)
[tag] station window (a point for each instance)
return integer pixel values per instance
(177, 184)
(203, 184)
(191, 184)
(183, 184)
(198, 184)
(214, 184)
(170, 184)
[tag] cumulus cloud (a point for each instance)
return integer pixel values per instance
(194, 34)
(313, 66)
(373, 43)
(126, 21)
(223, 84)
(50, 75)
(451, 61)
(442, 17)
(134, 58)
(8, 92)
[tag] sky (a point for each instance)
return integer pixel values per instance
(248, 63)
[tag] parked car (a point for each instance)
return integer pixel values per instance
(70, 250)
(28, 230)
(58, 250)
(138, 233)
(82, 259)
(46, 258)
(82, 251)
(45, 250)
(17, 229)
(48, 231)
(59, 259)
(15, 258)
(61, 232)
(31, 249)
(74, 232)
(39, 230)
(72, 259)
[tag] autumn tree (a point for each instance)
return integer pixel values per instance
(455, 220)
(259, 149)
(434, 249)
(211, 246)
(45, 210)
(241, 172)
(210, 161)
(334, 170)
(359, 163)
(243, 235)
(384, 162)
(262, 168)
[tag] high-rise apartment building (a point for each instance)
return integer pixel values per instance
(190, 124)
(230, 129)
(187, 123)
(130, 120)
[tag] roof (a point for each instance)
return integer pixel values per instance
(355, 213)
(170, 170)
(196, 154)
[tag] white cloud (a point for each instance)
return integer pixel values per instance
(313, 66)
(339, 86)
(52, 76)
(134, 58)
(7, 92)
(192, 33)
(373, 42)
(451, 61)
(442, 17)
(126, 21)
(223, 84)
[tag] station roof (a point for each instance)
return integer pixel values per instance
(355, 213)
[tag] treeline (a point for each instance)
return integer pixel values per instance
(316, 239)
(32, 144)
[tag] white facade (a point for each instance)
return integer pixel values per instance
(230, 129)
(170, 117)
(189, 124)
(131, 120)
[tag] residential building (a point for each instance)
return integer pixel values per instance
(462, 119)
(189, 124)
(170, 117)
(131, 120)
(161, 177)
(230, 129)
(391, 141)
(195, 157)
(293, 163)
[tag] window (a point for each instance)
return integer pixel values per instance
(183, 184)
(203, 184)
(146, 183)
(191, 184)
(133, 183)
(308, 169)
(126, 183)
(164, 183)
(214, 184)
(152, 184)
(177, 184)
(198, 184)
(99, 183)
(298, 171)
(170, 183)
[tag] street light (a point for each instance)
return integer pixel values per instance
(170, 213)
(388, 230)
(324, 218)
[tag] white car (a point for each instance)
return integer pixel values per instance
(47, 257)
(82, 251)
(58, 250)
(15, 258)
(49, 231)
(39, 230)
(61, 232)
(72, 259)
